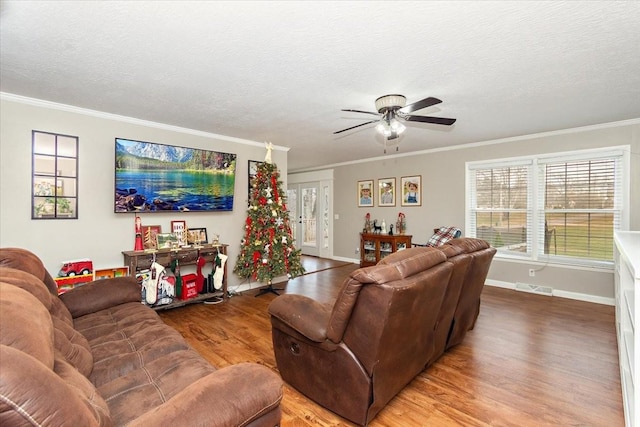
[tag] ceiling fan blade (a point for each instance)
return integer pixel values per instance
(356, 126)
(360, 111)
(427, 119)
(419, 105)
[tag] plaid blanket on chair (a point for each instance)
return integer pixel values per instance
(443, 234)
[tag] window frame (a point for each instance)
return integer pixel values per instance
(54, 175)
(535, 233)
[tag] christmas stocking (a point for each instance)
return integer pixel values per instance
(200, 277)
(151, 293)
(175, 269)
(218, 274)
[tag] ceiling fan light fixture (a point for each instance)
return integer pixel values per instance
(390, 102)
(396, 126)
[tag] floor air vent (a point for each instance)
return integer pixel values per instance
(534, 289)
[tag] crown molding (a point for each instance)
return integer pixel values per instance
(629, 122)
(131, 120)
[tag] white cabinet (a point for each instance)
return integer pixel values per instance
(627, 280)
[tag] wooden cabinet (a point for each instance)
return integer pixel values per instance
(374, 247)
(142, 260)
(627, 279)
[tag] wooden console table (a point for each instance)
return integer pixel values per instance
(374, 247)
(142, 260)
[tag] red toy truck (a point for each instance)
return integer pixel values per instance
(77, 267)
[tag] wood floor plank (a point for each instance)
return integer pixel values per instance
(531, 360)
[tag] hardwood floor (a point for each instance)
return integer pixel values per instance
(531, 360)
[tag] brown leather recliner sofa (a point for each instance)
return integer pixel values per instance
(388, 323)
(96, 356)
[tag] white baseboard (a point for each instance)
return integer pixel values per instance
(559, 293)
(345, 259)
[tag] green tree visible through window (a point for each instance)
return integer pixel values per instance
(579, 207)
(569, 217)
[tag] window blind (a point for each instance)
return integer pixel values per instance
(560, 207)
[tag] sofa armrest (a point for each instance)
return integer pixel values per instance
(306, 316)
(232, 396)
(101, 294)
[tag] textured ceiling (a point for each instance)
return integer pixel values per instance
(281, 71)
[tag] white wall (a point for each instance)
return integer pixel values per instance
(99, 233)
(443, 200)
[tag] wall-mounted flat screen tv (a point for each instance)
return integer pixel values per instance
(151, 177)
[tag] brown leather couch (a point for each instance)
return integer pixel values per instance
(96, 356)
(388, 323)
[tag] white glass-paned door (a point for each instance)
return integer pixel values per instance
(305, 214)
(292, 204)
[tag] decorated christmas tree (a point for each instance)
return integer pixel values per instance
(267, 250)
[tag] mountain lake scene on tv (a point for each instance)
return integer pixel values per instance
(156, 177)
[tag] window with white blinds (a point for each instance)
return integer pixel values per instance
(500, 211)
(559, 208)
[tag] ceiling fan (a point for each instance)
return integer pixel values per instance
(393, 107)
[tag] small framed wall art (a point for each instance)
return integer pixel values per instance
(149, 233)
(365, 193)
(166, 240)
(411, 190)
(179, 228)
(197, 236)
(387, 192)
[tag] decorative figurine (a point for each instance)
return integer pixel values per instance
(401, 224)
(138, 244)
(367, 224)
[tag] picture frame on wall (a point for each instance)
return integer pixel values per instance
(197, 236)
(253, 170)
(387, 192)
(365, 195)
(166, 240)
(179, 228)
(149, 236)
(411, 190)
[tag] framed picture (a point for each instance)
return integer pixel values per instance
(179, 228)
(253, 170)
(197, 236)
(411, 190)
(166, 240)
(387, 192)
(149, 233)
(365, 193)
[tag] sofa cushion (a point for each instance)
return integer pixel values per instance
(28, 282)
(153, 384)
(84, 390)
(36, 287)
(73, 346)
(22, 259)
(32, 394)
(469, 245)
(412, 261)
(26, 324)
(69, 342)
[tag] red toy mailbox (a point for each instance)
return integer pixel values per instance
(189, 288)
